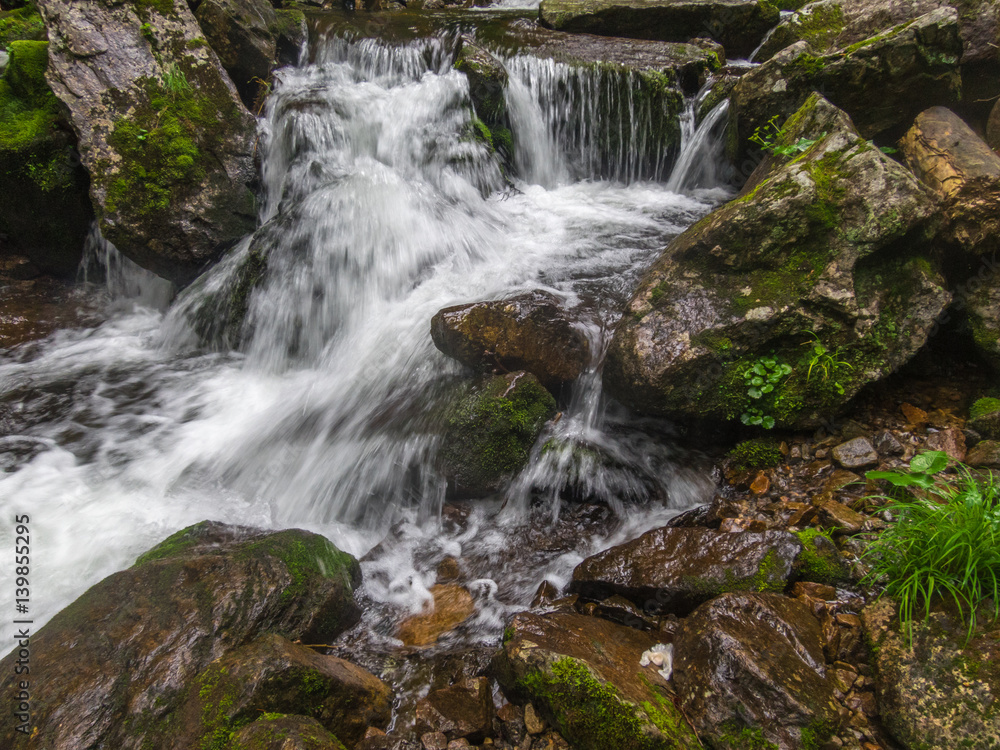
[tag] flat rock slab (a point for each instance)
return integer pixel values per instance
(120, 657)
(738, 25)
(583, 675)
(676, 569)
(751, 667)
(855, 454)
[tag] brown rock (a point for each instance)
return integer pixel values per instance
(914, 414)
(529, 332)
(985, 453)
(838, 516)
(951, 441)
(810, 590)
(462, 710)
(855, 454)
(674, 569)
(448, 570)
(760, 484)
(285, 733)
(534, 723)
(452, 606)
(753, 660)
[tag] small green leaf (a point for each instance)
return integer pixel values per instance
(767, 388)
(754, 393)
(768, 423)
(930, 462)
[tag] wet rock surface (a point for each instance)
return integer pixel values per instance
(753, 275)
(121, 655)
(583, 674)
(279, 732)
(675, 569)
(939, 692)
(531, 332)
(752, 665)
(739, 25)
(175, 198)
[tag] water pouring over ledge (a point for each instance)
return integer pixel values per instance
(379, 210)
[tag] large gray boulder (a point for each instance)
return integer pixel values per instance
(882, 82)
(120, 659)
(782, 304)
(739, 25)
(162, 132)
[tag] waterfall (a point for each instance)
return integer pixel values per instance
(702, 159)
(587, 122)
(296, 383)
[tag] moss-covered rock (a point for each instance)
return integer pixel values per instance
(124, 654)
(47, 214)
(820, 560)
(984, 417)
(162, 132)
(940, 690)
(24, 23)
(750, 673)
(756, 454)
(583, 674)
(273, 675)
(488, 89)
(491, 429)
(673, 570)
(911, 66)
(242, 34)
(274, 731)
(782, 304)
(737, 25)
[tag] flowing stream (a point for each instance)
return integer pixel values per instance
(379, 209)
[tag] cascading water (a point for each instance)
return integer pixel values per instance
(379, 208)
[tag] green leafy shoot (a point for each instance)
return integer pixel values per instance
(768, 137)
(823, 360)
(943, 545)
(760, 379)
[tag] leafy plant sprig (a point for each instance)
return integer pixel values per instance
(823, 360)
(767, 138)
(760, 379)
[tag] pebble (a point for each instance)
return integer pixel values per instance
(855, 454)
(887, 444)
(534, 723)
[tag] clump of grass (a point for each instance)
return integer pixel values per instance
(943, 545)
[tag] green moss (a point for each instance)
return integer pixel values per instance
(593, 715)
(304, 558)
(983, 407)
(820, 561)
(145, 7)
(161, 145)
(491, 430)
(756, 454)
(735, 737)
(829, 176)
(21, 24)
(820, 25)
(806, 65)
(877, 38)
(174, 545)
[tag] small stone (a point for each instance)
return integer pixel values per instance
(821, 453)
(760, 484)
(887, 444)
(914, 414)
(434, 741)
(852, 429)
(951, 441)
(459, 744)
(534, 723)
(448, 570)
(811, 590)
(546, 593)
(838, 516)
(373, 732)
(452, 606)
(855, 454)
(848, 620)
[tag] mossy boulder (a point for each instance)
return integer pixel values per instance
(911, 66)
(241, 33)
(491, 428)
(673, 570)
(123, 655)
(46, 215)
(281, 732)
(941, 689)
(488, 90)
(162, 132)
(583, 675)
(984, 417)
(831, 25)
(738, 25)
(750, 673)
(530, 331)
(273, 675)
(757, 453)
(21, 24)
(782, 304)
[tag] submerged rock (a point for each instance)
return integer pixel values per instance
(675, 569)
(490, 431)
(273, 675)
(583, 675)
(738, 25)
(162, 132)
(940, 691)
(527, 332)
(46, 213)
(782, 304)
(450, 606)
(912, 67)
(749, 670)
(120, 657)
(463, 710)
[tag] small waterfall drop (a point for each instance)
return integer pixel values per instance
(702, 159)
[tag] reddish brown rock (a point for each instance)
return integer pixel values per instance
(452, 605)
(461, 710)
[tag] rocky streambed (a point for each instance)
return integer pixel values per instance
(526, 364)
